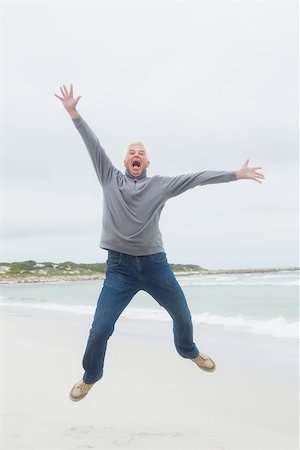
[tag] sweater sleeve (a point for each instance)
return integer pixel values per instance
(102, 164)
(173, 186)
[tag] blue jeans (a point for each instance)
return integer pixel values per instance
(125, 276)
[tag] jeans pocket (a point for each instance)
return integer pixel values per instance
(113, 258)
(159, 257)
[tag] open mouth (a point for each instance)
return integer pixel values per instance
(136, 164)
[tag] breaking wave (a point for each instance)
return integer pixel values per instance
(277, 327)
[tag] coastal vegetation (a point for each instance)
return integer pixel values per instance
(43, 271)
(34, 272)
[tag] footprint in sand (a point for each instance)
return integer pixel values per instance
(128, 440)
(79, 433)
(144, 434)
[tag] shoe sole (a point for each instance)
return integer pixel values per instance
(206, 369)
(76, 399)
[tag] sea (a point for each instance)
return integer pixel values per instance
(256, 303)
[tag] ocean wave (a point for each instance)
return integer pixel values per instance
(221, 282)
(277, 327)
(245, 279)
(78, 309)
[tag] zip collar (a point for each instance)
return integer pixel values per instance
(129, 175)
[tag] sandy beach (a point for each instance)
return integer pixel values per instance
(149, 397)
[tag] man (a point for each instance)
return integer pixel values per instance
(136, 259)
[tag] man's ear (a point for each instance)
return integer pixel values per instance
(148, 163)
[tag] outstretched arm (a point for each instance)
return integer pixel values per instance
(249, 173)
(69, 101)
(174, 186)
(102, 164)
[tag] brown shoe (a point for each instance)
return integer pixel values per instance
(79, 391)
(204, 362)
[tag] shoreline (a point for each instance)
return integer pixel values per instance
(100, 276)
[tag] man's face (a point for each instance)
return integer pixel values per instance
(136, 160)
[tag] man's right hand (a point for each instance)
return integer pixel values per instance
(69, 101)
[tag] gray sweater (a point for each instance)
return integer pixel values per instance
(132, 207)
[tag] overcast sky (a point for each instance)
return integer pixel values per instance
(205, 85)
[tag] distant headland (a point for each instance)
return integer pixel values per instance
(43, 272)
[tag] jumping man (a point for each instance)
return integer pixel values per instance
(136, 258)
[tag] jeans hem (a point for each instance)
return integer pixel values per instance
(88, 381)
(189, 356)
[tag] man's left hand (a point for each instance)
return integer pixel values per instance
(249, 173)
